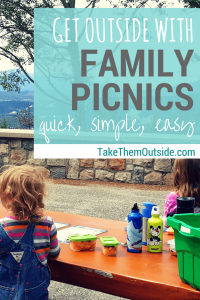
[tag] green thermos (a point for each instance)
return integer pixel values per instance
(155, 231)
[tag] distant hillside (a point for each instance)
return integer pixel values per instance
(12, 103)
(14, 96)
(8, 106)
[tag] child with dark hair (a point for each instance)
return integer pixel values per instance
(186, 184)
(27, 237)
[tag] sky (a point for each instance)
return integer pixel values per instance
(5, 64)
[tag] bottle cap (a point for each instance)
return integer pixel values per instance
(155, 211)
(185, 202)
(135, 207)
(147, 208)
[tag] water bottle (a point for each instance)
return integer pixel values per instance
(185, 205)
(146, 212)
(134, 230)
(155, 231)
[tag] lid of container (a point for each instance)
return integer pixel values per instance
(82, 238)
(146, 209)
(185, 202)
(155, 210)
(171, 242)
(108, 241)
(135, 207)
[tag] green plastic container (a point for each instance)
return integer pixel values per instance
(109, 241)
(82, 238)
(82, 242)
(109, 245)
(187, 243)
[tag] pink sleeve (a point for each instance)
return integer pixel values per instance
(197, 210)
(170, 203)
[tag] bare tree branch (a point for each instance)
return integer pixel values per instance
(15, 59)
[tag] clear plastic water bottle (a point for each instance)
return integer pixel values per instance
(134, 230)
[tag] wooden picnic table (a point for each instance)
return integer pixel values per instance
(130, 275)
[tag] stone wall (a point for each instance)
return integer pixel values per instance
(16, 148)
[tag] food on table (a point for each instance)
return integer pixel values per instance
(174, 253)
(170, 230)
(82, 242)
(109, 245)
(109, 250)
(172, 248)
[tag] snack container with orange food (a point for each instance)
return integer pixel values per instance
(109, 245)
(170, 230)
(172, 248)
(82, 242)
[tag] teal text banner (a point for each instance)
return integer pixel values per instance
(117, 76)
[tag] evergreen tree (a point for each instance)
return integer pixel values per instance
(4, 123)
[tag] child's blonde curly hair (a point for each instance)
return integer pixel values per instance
(22, 189)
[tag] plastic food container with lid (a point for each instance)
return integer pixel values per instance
(170, 231)
(82, 242)
(109, 245)
(172, 248)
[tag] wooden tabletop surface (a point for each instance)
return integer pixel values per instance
(130, 275)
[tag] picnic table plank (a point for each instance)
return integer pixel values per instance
(134, 276)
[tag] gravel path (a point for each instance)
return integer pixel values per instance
(96, 201)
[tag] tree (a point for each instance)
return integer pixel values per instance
(26, 118)
(12, 81)
(4, 123)
(17, 34)
(192, 3)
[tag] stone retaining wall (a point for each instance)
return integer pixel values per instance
(16, 148)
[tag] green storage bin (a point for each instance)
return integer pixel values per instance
(187, 243)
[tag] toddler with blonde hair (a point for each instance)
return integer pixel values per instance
(27, 237)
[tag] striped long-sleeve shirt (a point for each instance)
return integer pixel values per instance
(45, 236)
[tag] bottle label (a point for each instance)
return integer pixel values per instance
(154, 239)
(134, 235)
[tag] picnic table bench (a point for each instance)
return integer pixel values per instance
(130, 275)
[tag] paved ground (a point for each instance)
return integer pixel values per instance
(97, 201)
